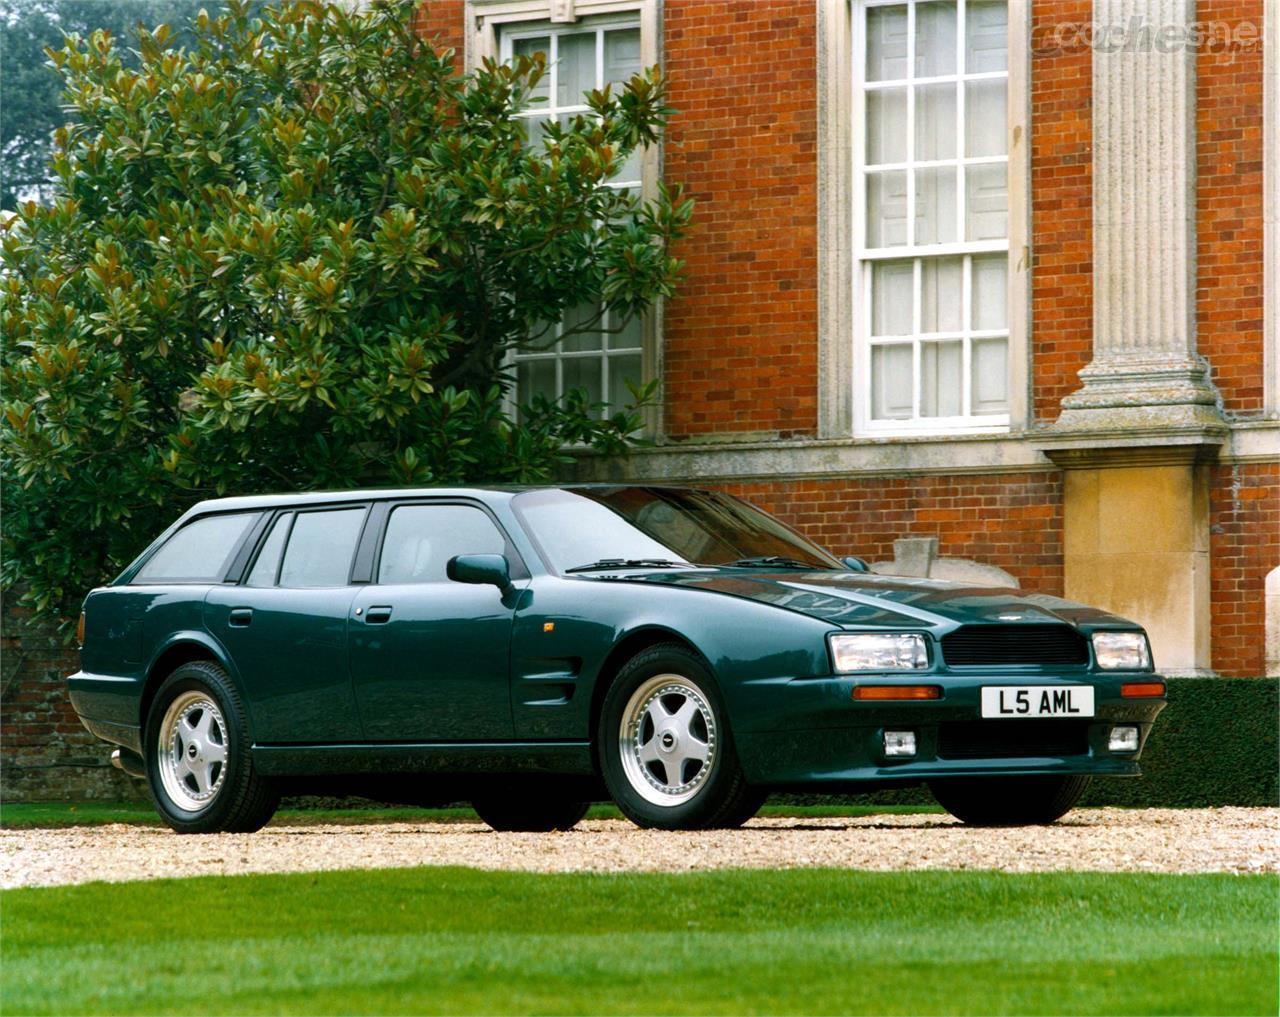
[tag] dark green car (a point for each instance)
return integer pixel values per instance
(536, 649)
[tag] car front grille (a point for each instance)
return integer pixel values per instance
(1011, 645)
(1007, 739)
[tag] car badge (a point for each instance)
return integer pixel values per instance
(1010, 617)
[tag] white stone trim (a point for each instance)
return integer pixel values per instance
(838, 361)
(1271, 210)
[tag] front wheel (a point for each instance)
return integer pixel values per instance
(1009, 801)
(666, 751)
(199, 770)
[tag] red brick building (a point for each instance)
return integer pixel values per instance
(1002, 273)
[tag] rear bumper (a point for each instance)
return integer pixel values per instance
(811, 731)
(108, 706)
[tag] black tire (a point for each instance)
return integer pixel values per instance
(534, 811)
(241, 801)
(721, 797)
(1009, 801)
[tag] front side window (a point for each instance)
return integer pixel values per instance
(321, 546)
(421, 539)
(932, 333)
(200, 552)
(590, 348)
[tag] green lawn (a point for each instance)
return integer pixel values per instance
(438, 940)
(52, 814)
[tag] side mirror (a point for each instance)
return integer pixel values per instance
(855, 564)
(480, 569)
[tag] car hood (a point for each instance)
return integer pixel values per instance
(858, 599)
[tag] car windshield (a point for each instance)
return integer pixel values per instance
(664, 526)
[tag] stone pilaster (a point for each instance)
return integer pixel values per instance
(1145, 378)
(1133, 440)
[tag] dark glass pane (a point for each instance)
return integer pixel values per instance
(421, 539)
(200, 552)
(321, 547)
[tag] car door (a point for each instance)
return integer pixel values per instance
(430, 657)
(285, 627)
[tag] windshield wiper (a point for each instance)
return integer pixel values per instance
(774, 560)
(632, 563)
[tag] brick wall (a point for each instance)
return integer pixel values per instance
(442, 21)
(741, 336)
(1244, 545)
(1012, 520)
(48, 755)
(1229, 209)
(1061, 206)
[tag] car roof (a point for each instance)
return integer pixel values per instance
(487, 492)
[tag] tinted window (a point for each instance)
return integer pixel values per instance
(422, 538)
(582, 525)
(320, 548)
(268, 563)
(200, 552)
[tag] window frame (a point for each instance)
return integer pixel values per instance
(845, 383)
(486, 23)
(912, 252)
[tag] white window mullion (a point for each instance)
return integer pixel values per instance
(966, 321)
(911, 125)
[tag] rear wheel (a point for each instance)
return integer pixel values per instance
(199, 770)
(1009, 801)
(532, 812)
(666, 750)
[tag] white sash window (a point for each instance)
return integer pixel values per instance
(931, 216)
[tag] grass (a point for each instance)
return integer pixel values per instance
(47, 815)
(441, 940)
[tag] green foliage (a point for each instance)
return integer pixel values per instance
(31, 110)
(806, 941)
(297, 254)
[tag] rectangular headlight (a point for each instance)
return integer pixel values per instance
(877, 651)
(1122, 651)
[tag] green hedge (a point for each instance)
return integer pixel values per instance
(1216, 743)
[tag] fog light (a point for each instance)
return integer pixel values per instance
(1123, 739)
(899, 743)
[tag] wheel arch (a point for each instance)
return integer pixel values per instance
(181, 648)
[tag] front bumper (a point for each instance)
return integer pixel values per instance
(793, 732)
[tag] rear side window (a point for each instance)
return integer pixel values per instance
(200, 552)
(268, 563)
(320, 549)
(421, 539)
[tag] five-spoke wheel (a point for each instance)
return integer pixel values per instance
(665, 747)
(199, 769)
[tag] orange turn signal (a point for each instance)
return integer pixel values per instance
(1141, 690)
(883, 692)
(80, 630)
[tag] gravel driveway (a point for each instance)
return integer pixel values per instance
(1112, 840)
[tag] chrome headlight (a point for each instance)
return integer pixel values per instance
(878, 651)
(1122, 651)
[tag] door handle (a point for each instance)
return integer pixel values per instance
(378, 614)
(240, 617)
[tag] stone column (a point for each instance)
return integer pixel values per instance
(1133, 439)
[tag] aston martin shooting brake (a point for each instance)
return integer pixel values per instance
(532, 650)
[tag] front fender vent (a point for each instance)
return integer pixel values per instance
(1015, 645)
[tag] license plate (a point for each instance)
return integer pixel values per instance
(1037, 701)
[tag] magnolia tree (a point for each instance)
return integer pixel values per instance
(298, 253)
